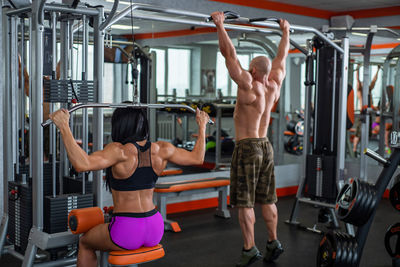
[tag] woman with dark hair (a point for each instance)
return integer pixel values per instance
(133, 165)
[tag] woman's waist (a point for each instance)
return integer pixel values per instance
(134, 214)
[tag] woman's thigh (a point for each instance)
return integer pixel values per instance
(98, 238)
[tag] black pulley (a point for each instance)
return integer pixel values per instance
(392, 240)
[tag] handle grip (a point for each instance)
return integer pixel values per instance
(228, 15)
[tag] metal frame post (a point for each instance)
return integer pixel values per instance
(218, 143)
(4, 174)
(152, 114)
(22, 92)
(382, 108)
(396, 98)
(36, 99)
(13, 53)
(53, 130)
(342, 117)
(98, 113)
(85, 117)
(64, 41)
(306, 136)
(365, 102)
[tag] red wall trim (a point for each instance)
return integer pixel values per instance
(213, 202)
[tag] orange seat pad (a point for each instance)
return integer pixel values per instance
(137, 256)
(171, 172)
(191, 184)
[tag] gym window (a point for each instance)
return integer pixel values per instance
(160, 70)
(179, 65)
(224, 82)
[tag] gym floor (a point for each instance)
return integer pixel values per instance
(206, 240)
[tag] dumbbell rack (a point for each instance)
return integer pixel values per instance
(389, 168)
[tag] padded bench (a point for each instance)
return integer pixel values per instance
(82, 220)
(190, 187)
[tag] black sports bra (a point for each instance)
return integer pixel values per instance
(144, 176)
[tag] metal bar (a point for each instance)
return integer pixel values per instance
(163, 10)
(376, 156)
(23, 10)
(30, 99)
(64, 9)
(128, 105)
(364, 29)
(64, 75)
(318, 203)
(13, 71)
(384, 101)
(3, 175)
(110, 16)
(10, 250)
(52, 129)
(274, 25)
(242, 28)
(218, 148)
(333, 113)
(365, 102)
(37, 111)
(85, 117)
(98, 54)
(22, 92)
(396, 98)
(7, 148)
(342, 116)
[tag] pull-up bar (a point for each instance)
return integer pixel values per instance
(204, 23)
(127, 105)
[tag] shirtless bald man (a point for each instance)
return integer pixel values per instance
(252, 169)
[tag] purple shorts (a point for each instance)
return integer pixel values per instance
(134, 230)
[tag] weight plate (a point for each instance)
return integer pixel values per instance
(392, 240)
(327, 250)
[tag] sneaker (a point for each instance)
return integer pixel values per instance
(273, 250)
(249, 257)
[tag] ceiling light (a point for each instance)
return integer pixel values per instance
(124, 27)
(359, 34)
(121, 2)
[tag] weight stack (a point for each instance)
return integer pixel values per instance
(57, 209)
(321, 178)
(20, 215)
(47, 177)
(74, 185)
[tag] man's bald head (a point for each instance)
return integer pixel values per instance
(260, 66)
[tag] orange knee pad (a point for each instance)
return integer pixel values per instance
(82, 220)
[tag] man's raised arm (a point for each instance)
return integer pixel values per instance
(278, 69)
(240, 76)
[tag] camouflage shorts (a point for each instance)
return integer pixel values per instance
(252, 173)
